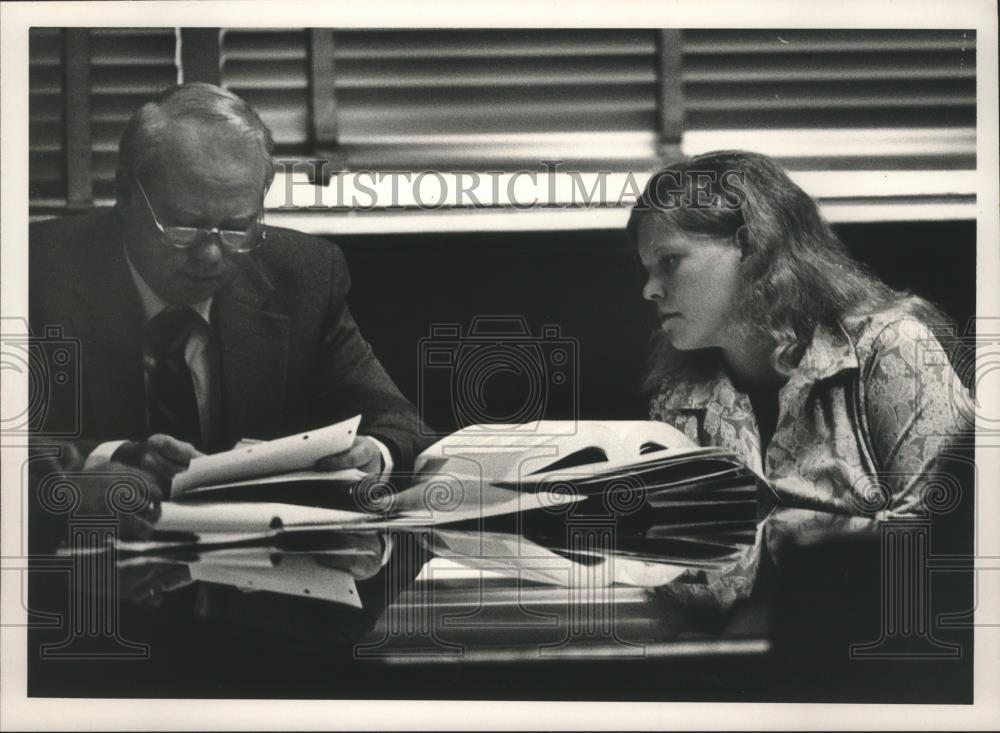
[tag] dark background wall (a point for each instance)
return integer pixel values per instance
(588, 284)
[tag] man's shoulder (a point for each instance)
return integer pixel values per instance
(58, 248)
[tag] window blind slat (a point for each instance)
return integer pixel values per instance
(365, 44)
(48, 166)
(44, 135)
(261, 45)
(832, 95)
(266, 74)
(782, 41)
(748, 68)
(45, 108)
(139, 81)
(612, 96)
(722, 117)
(48, 175)
(369, 126)
(512, 72)
(45, 79)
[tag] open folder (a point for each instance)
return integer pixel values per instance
(612, 502)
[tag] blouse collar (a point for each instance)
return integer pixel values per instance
(830, 352)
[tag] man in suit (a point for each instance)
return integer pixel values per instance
(199, 325)
(274, 349)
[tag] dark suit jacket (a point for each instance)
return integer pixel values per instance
(292, 356)
(292, 359)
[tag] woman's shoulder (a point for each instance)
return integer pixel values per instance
(911, 373)
(907, 328)
(902, 358)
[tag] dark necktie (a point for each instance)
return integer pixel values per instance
(173, 406)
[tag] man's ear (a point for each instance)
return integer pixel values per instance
(744, 242)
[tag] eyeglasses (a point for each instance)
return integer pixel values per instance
(234, 240)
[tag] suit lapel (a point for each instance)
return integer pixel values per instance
(255, 346)
(110, 322)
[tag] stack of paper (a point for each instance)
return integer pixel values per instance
(611, 502)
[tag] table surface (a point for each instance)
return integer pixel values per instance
(453, 614)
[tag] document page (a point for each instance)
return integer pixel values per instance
(292, 453)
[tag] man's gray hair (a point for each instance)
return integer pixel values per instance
(195, 101)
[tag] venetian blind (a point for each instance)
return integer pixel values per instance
(127, 66)
(502, 99)
(447, 98)
(506, 98)
(829, 92)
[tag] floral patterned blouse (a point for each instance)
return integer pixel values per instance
(862, 419)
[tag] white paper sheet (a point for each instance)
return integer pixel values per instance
(449, 498)
(294, 575)
(506, 554)
(292, 453)
(248, 517)
(343, 476)
(516, 556)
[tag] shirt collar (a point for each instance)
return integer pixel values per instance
(152, 303)
(830, 352)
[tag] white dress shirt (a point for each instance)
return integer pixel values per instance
(196, 357)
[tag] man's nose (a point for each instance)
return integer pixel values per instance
(209, 252)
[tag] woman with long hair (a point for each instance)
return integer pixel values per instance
(775, 344)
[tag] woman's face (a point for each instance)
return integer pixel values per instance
(694, 282)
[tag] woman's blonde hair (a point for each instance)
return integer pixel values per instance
(798, 274)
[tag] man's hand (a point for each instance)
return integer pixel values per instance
(94, 487)
(363, 455)
(140, 584)
(136, 525)
(159, 455)
(145, 583)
